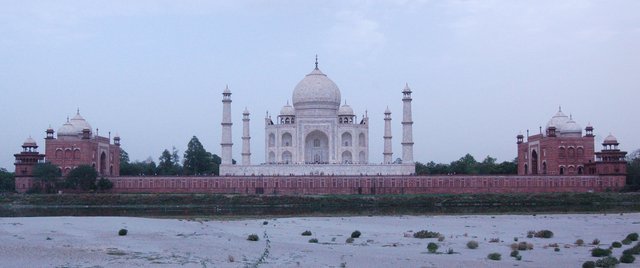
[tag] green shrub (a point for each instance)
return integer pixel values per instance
(580, 242)
(519, 258)
(450, 251)
(595, 242)
(494, 256)
(432, 247)
(349, 240)
(306, 233)
(556, 249)
(122, 232)
(514, 253)
(313, 240)
(589, 264)
(633, 236)
(600, 252)
(472, 244)
(253, 237)
(265, 222)
(607, 262)
(426, 234)
(616, 244)
(626, 241)
(635, 250)
(355, 234)
(626, 258)
(544, 234)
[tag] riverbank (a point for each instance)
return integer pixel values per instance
(212, 205)
(385, 241)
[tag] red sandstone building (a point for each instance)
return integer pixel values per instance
(73, 145)
(563, 150)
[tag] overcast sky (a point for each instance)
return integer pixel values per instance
(481, 71)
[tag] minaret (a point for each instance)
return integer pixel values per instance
(226, 143)
(407, 126)
(246, 138)
(388, 154)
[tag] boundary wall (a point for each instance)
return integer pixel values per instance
(308, 185)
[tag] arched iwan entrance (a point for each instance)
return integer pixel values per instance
(316, 147)
(534, 162)
(103, 163)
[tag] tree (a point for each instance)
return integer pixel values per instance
(165, 164)
(633, 170)
(468, 165)
(82, 177)
(104, 184)
(126, 168)
(47, 176)
(7, 181)
(196, 159)
(216, 164)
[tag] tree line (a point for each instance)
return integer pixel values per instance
(468, 165)
(48, 178)
(196, 161)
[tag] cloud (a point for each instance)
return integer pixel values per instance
(353, 33)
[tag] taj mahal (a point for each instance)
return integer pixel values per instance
(317, 136)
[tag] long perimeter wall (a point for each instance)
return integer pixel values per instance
(302, 185)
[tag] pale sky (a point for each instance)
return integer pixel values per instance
(481, 71)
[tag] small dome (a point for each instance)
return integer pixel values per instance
(387, 111)
(67, 129)
(558, 120)
(287, 110)
(345, 110)
(79, 123)
(571, 127)
(29, 142)
(316, 90)
(610, 140)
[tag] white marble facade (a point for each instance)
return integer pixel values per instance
(314, 136)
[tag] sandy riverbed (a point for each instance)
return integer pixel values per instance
(94, 242)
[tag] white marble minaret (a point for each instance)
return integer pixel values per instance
(246, 138)
(227, 142)
(407, 126)
(388, 153)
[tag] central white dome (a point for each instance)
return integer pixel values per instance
(316, 91)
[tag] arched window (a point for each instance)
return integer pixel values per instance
(286, 157)
(346, 157)
(544, 167)
(272, 140)
(76, 154)
(316, 143)
(580, 152)
(526, 169)
(580, 170)
(346, 139)
(286, 140)
(561, 170)
(571, 152)
(59, 153)
(272, 157)
(361, 140)
(68, 154)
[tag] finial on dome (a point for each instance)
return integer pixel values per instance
(67, 119)
(570, 116)
(559, 108)
(78, 111)
(316, 61)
